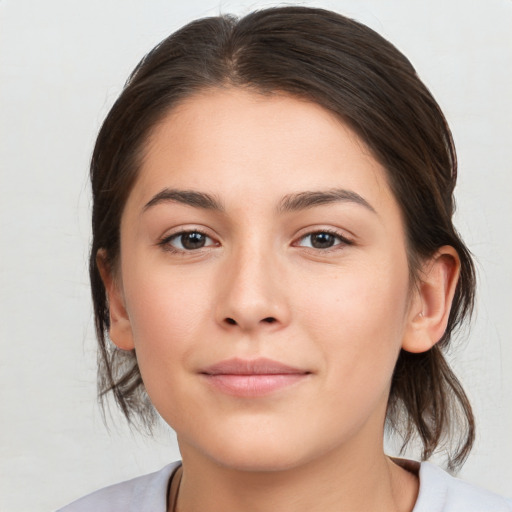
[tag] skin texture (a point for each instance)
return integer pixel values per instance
(258, 288)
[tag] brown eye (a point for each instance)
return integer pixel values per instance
(193, 240)
(322, 240)
(188, 241)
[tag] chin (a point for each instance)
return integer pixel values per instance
(262, 460)
(258, 452)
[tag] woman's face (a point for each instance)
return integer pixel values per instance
(263, 281)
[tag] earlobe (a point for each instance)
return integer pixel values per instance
(120, 331)
(430, 307)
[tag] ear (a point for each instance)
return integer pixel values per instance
(120, 331)
(432, 301)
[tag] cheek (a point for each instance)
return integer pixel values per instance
(358, 295)
(166, 310)
(357, 316)
(168, 315)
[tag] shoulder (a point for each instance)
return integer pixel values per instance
(441, 492)
(148, 493)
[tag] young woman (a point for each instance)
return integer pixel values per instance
(275, 270)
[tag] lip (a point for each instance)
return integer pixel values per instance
(252, 378)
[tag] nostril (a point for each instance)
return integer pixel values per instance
(267, 320)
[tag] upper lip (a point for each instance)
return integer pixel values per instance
(260, 366)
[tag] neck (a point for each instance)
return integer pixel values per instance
(352, 482)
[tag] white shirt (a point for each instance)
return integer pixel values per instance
(439, 492)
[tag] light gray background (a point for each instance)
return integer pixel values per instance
(62, 64)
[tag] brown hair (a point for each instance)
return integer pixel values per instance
(352, 71)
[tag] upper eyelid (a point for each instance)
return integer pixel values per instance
(341, 233)
(302, 233)
(183, 230)
(342, 239)
(165, 242)
(181, 233)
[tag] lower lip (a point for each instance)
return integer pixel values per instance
(254, 385)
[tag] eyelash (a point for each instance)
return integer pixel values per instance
(342, 241)
(165, 242)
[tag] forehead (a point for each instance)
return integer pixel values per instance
(233, 142)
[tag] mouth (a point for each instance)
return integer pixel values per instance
(252, 378)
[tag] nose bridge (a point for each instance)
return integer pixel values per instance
(252, 288)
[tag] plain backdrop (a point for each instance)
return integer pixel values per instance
(62, 64)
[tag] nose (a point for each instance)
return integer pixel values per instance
(252, 293)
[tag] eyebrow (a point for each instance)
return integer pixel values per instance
(188, 197)
(289, 203)
(304, 200)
